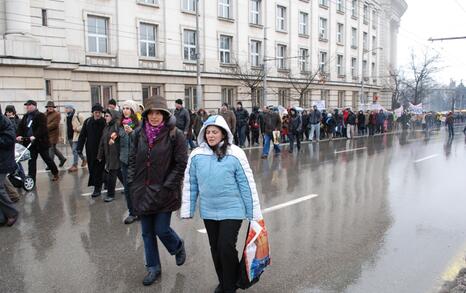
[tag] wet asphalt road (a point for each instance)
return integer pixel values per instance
(387, 215)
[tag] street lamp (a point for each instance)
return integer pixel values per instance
(361, 93)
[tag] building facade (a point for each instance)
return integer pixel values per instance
(88, 51)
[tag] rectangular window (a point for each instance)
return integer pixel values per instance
(354, 37)
(189, 45)
(48, 88)
(255, 11)
(303, 60)
(323, 2)
(281, 18)
(97, 34)
(373, 70)
(189, 5)
(306, 99)
(151, 90)
(224, 8)
(375, 19)
(190, 94)
(228, 95)
(340, 65)
(323, 62)
(101, 94)
(303, 23)
(225, 49)
(341, 5)
(365, 13)
(322, 28)
(365, 41)
(364, 68)
(44, 17)
(255, 53)
(355, 100)
(354, 8)
(340, 33)
(258, 97)
(325, 96)
(284, 97)
(341, 99)
(374, 45)
(148, 40)
(354, 67)
(281, 57)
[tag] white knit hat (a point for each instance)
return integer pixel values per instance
(131, 104)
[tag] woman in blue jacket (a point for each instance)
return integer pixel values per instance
(218, 173)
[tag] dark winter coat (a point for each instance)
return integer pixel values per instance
(351, 118)
(199, 122)
(15, 121)
(271, 122)
(242, 117)
(380, 118)
(53, 125)
(107, 152)
(361, 120)
(90, 136)
(254, 121)
(305, 118)
(155, 175)
(39, 130)
(7, 145)
(295, 124)
(182, 119)
(372, 119)
(314, 117)
(126, 142)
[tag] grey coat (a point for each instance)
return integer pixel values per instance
(126, 142)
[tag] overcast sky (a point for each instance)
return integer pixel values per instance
(435, 18)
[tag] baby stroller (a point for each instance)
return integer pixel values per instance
(18, 178)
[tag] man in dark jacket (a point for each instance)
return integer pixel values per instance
(183, 120)
(351, 124)
(8, 213)
(254, 125)
(33, 128)
(294, 130)
(271, 123)
(380, 121)
(89, 137)
(242, 117)
(305, 119)
(361, 123)
(314, 122)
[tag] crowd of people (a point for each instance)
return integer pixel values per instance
(146, 148)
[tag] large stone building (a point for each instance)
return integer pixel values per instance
(88, 51)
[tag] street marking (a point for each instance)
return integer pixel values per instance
(103, 192)
(278, 206)
(426, 158)
(59, 169)
(350, 150)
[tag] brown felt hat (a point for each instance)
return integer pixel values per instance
(50, 104)
(156, 103)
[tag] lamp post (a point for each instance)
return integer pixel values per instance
(361, 90)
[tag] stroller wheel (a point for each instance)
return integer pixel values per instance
(28, 183)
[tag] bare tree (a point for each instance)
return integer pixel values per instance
(304, 82)
(421, 71)
(397, 84)
(249, 77)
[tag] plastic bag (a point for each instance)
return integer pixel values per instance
(19, 149)
(276, 136)
(256, 255)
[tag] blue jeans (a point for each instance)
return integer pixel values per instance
(315, 128)
(241, 132)
(153, 226)
(74, 148)
(265, 150)
(124, 173)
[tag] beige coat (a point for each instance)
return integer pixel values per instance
(77, 122)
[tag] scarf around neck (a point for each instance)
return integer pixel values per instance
(152, 132)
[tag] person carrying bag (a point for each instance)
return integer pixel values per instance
(219, 174)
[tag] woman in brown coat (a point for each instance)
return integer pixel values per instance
(53, 125)
(155, 174)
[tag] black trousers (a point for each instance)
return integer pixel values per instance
(222, 239)
(32, 164)
(111, 181)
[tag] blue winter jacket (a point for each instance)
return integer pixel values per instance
(225, 188)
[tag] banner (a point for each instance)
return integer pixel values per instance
(398, 112)
(415, 109)
(319, 104)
